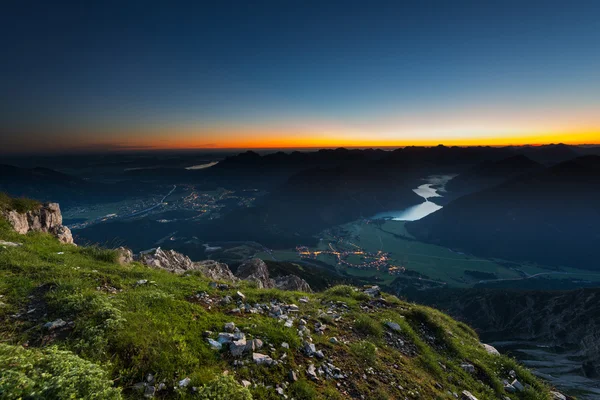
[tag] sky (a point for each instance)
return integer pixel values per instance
(77, 76)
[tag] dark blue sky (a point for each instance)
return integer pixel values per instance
(146, 73)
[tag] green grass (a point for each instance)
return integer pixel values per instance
(20, 205)
(122, 331)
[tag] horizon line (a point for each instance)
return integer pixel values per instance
(141, 149)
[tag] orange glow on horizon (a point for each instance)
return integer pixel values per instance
(271, 138)
(337, 140)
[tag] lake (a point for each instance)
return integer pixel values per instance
(435, 184)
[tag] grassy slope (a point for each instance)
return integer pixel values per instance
(20, 205)
(155, 328)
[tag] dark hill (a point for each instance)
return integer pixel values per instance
(490, 173)
(549, 217)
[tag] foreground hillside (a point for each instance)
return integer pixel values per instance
(83, 322)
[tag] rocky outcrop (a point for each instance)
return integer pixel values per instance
(46, 218)
(256, 271)
(292, 282)
(168, 260)
(215, 270)
(175, 262)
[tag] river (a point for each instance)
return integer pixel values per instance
(433, 188)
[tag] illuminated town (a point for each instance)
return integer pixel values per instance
(378, 260)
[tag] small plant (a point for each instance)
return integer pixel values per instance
(20, 205)
(100, 254)
(368, 326)
(224, 388)
(302, 390)
(365, 352)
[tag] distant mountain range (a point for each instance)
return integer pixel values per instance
(549, 216)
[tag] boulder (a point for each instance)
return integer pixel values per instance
(518, 385)
(63, 234)
(215, 270)
(490, 349)
(261, 359)
(124, 255)
(256, 271)
(168, 260)
(292, 282)
(237, 347)
(373, 291)
(309, 348)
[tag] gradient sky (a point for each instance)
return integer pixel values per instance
(291, 73)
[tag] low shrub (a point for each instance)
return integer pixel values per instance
(368, 326)
(51, 374)
(365, 352)
(224, 387)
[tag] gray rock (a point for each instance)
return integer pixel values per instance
(558, 396)
(246, 383)
(10, 244)
(292, 282)
(215, 270)
(333, 340)
(47, 218)
(312, 372)
(225, 337)
(124, 256)
(168, 260)
(149, 392)
(256, 271)
(309, 348)
(184, 382)
(237, 347)
(466, 395)
(261, 359)
(518, 385)
(373, 291)
(229, 327)
(319, 354)
(214, 344)
(490, 349)
(292, 376)
(285, 345)
(509, 388)
(470, 368)
(58, 323)
(393, 326)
